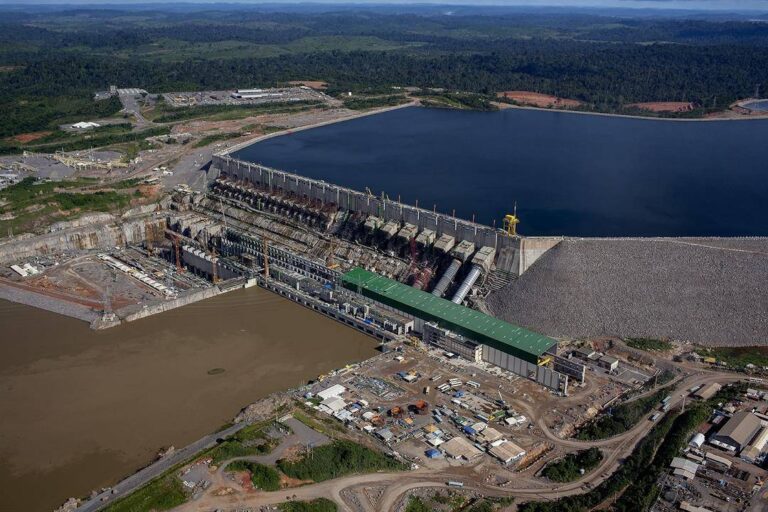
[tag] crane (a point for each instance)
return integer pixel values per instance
(177, 250)
(511, 222)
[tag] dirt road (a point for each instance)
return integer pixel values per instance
(397, 484)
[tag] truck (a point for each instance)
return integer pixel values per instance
(453, 483)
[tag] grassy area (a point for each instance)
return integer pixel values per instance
(166, 114)
(31, 203)
(318, 505)
(338, 459)
(568, 468)
(216, 137)
(364, 103)
(649, 344)
(455, 501)
(620, 418)
(324, 425)
(263, 477)
(164, 493)
(738, 357)
(415, 504)
(252, 440)
(31, 114)
(462, 101)
(85, 141)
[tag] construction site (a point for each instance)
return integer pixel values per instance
(456, 390)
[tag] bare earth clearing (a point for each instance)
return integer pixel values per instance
(539, 100)
(664, 106)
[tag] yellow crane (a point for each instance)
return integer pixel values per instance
(511, 222)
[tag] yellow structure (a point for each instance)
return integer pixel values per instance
(511, 222)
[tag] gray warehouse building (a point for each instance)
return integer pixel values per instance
(737, 432)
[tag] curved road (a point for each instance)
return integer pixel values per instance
(397, 484)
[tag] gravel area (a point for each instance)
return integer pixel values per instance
(707, 291)
(53, 304)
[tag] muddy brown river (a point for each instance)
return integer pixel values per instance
(80, 409)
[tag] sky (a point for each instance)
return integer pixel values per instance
(726, 5)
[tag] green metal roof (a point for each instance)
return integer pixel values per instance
(473, 324)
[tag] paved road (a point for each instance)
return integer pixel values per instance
(142, 477)
(131, 106)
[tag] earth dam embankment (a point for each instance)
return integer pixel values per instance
(709, 291)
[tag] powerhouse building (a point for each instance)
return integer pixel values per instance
(508, 346)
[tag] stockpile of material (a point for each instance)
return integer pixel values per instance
(709, 291)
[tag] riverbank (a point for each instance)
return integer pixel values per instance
(736, 116)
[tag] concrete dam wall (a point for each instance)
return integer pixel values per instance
(513, 256)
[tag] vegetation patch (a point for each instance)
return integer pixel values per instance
(317, 505)
(364, 103)
(637, 477)
(649, 344)
(164, 493)
(32, 114)
(738, 357)
(226, 112)
(338, 459)
(216, 137)
(263, 477)
(463, 101)
(31, 203)
(86, 141)
(620, 418)
(251, 440)
(569, 467)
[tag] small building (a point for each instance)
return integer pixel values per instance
(433, 453)
(697, 440)
(688, 507)
(711, 457)
(85, 125)
(708, 391)
(584, 353)
(737, 432)
(385, 434)
(608, 362)
(460, 448)
(683, 467)
(335, 390)
(490, 435)
(332, 404)
(507, 452)
(756, 447)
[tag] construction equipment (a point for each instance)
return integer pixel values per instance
(511, 222)
(177, 251)
(214, 276)
(266, 257)
(330, 260)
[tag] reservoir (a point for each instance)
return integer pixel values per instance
(570, 174)
(81, 408)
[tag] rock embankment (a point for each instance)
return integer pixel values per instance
(707, 291)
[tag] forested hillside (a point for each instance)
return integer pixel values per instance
(52, 59)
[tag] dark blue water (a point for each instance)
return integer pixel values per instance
(570, 174)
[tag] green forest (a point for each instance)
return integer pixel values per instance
(52, 59)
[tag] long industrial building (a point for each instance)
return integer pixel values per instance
(513, 348)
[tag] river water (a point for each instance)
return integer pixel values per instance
(571, 174)
(80, 409)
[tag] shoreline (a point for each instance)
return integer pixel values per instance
(508, 106)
